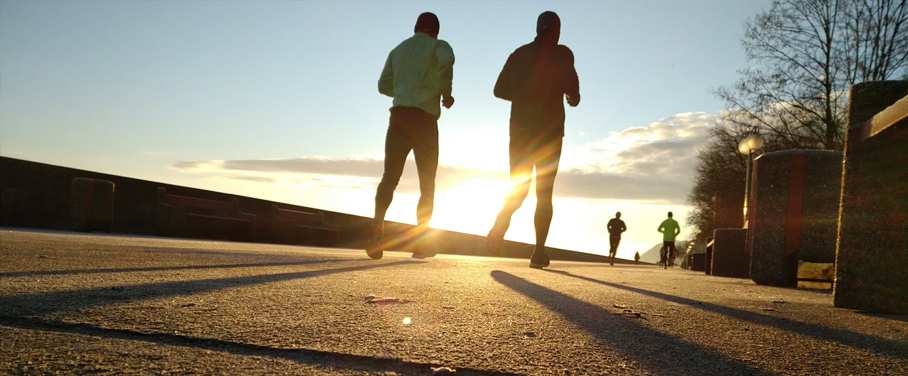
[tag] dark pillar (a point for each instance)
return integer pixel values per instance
(708, 260)
(872, 246)
(793, 213)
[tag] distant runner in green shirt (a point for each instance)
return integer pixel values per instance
(669, 229)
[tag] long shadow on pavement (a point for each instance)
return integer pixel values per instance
(73, 300)
(659, 353)
(41, 273)
(898, 349)
(325, 359)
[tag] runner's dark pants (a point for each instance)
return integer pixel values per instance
(668, 250)
(409, 129)
(613, 244)
(529, 150)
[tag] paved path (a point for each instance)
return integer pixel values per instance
(80, 303)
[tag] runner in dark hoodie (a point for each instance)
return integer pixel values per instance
(536, 79)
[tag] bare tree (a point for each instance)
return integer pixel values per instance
(720, 175)
(720, 172)
(876, 39)
(804, 55)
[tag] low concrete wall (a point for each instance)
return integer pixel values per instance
(39, 195)
(872, 247)
(793, 213)
(730, 257)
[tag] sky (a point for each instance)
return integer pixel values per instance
(279, 100)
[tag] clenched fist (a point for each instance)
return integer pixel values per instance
(447, 102)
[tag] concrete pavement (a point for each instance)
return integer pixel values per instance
(76, 303)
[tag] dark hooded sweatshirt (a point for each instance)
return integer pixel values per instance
(535, 79)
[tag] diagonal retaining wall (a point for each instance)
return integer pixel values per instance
(39, 195)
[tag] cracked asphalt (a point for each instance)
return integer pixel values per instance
(82, 303)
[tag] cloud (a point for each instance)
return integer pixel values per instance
(257, 179)
(655, 162)
(353, 167)
(333, 172)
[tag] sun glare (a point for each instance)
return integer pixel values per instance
(470, 206)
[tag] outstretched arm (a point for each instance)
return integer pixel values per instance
(386, 81)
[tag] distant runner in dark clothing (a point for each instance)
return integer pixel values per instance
(537, 78)
(615, 228)
(418, 75)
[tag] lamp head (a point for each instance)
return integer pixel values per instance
(750, 144)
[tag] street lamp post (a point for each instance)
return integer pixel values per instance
(748, 146)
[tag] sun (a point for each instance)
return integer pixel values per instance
(471, 205)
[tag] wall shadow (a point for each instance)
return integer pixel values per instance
(327, 359)
(74, 300)
(41, 273)
(898, 349)
(659, 353)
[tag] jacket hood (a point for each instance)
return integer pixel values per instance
(548, 28)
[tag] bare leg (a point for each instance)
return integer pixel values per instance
(521, 168)
(543, 220)
(512, 203)
(547, 158)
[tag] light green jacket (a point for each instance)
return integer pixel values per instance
(418, 73)
(669, 229)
